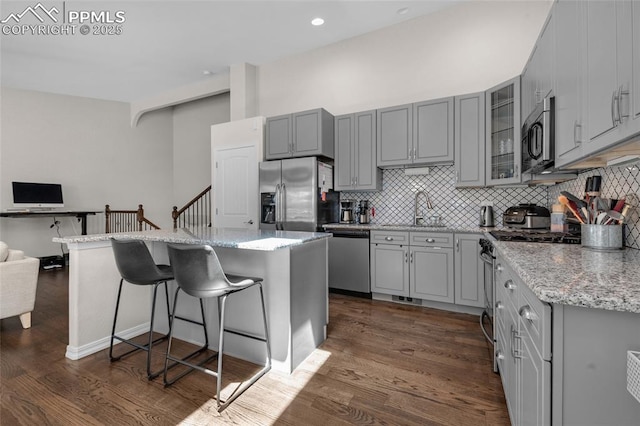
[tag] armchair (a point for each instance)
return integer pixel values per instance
(18, 282)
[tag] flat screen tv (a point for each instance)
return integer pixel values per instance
(37, 195)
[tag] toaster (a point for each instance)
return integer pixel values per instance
(527, 216)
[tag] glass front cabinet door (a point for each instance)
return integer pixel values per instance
(503, 134)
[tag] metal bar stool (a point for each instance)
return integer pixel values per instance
(136, 266)
(198, 273)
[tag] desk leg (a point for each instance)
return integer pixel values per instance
(83, 223)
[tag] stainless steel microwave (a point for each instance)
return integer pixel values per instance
(538, 138)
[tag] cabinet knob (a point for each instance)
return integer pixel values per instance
(526, 313)
(499, 355)
(388, 238)
(499, 268)
(499, 305)
(430, 240)
(510, 285)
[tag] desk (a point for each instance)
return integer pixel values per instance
(80, 214)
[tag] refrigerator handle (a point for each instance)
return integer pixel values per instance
(277, 199)
(283, 206)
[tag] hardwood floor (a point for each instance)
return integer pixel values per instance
(382, 363)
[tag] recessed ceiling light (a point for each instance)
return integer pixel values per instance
(403, 11)
(317, 21)
(207, 72)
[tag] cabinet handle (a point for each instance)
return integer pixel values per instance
(457, 176)
(514, 336)
(613, 113)
(356, 181)
(457, 244)
(406, 257)
(516, 173)
(576, 140)
(430, 240)
(526, 313)
(388, 238)
(411, 258)
(619, 97)
(510, 285)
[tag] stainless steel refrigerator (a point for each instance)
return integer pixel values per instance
(297, 195)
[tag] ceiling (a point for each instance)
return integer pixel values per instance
(168, 44)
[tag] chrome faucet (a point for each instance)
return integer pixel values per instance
(418, 217)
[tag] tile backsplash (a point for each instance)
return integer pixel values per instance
(617, 182)
(460, 207)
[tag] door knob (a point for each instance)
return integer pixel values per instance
(250, 222)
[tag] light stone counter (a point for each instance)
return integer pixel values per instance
(216, 237)
(569, 274)
(405, 227)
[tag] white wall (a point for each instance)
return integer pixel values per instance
(463, 49)
(89, 147)
(192, 123)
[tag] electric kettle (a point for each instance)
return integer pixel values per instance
(486, 216)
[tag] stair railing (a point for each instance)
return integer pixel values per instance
(127, 220)
(196, 213)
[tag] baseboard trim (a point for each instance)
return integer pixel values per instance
(77, 352)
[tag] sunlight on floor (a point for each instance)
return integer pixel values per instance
(292, 383)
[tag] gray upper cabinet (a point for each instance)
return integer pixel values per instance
(635, 52)
(569, 79)
(503, 149)
(469, 140)
(355, 149)
(279, 137)
(433, 123)
(301, 134)
(538, 75)
(416, 134)
(395, 135)
(608, 72)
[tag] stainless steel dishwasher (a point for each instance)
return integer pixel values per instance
(349, 261)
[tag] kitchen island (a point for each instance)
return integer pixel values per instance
(293, 265)
(566, 318)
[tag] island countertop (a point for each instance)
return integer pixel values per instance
(249, 239)
(570, 274)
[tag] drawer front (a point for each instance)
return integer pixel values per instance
(431, 239)
(506, 283)
(389, 237)
(535, 320)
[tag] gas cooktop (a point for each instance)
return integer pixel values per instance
(536, 236)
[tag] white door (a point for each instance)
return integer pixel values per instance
(235, 187)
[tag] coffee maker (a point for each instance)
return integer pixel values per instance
(363, 212)
(347, 208)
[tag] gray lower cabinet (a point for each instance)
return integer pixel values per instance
(412, 264)
(389, 269)
(469, 140)
(583, 380)
(469, 271)
(355, 153)
(302, 134)
(523, 349)
(416, 134)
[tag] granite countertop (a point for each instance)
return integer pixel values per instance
(570, 274)
(249, 239)
(405, 227)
